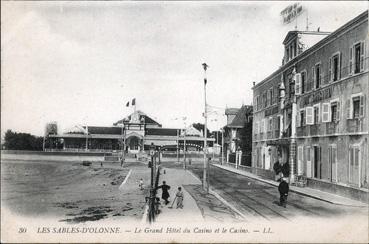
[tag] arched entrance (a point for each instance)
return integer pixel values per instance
(134, 144)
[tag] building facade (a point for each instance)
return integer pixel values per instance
(135, 134)
(238, 134)
(313, 111)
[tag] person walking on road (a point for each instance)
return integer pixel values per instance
(165, 192)
(283, 189)
(179, 196)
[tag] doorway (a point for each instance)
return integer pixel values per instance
(317, 162)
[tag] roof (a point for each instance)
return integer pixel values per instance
(231, 111)
(161, 132)
(241, 117)
(142, 116)
(291, 34)
(104, 130)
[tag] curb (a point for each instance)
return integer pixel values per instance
(291, 189)
(213, 192)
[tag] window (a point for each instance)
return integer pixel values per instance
(270, 127)
(303, 82)
(265, 101)
(335, 67)
(301, 121)
(357, 58)
(271, 96)
(298, 84)
(356, 107)
(317, 76)
(316, 114)
(335, 111)
(257, 102)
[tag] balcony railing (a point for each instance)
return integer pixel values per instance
(354, 125)
(331, 128)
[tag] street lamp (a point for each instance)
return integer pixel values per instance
(205, 182)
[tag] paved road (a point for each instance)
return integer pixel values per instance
(259, 200)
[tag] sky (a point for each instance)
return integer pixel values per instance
(81, 62)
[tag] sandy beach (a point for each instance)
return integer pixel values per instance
(68, 191)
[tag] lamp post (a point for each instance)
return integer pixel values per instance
(152, 190)
(222, 146)
(205, 182)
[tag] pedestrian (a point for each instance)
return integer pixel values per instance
(121, 161)
(179, 196)
(101, 163)
(283, 189)
(157, 205)
(141, 184)
(165, 192)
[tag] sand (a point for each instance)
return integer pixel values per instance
(68, 191)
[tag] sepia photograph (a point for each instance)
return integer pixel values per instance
(184, 122)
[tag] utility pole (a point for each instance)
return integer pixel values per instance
(205, 182)
(222, 146)
(177, 145)
(184, 144)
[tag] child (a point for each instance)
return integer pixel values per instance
(179, 196)
(157, 205)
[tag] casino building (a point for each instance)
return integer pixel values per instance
(136, 132)
(313, 111)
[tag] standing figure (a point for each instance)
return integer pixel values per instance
(179, 196)
(283, 189)
(141, 184)
(165, 194)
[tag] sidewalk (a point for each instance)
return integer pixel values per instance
(306, 191)
(190, 212)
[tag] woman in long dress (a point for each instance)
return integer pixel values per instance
(179, 196)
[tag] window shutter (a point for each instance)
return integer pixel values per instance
(309, 115)
(325, 112)
(313, 77)
(298, 119)
(338, 111)
(362, 46)
(362, 106)
(330, 76)
(351, 64)
(348, 109)
(298, 84)
(340, 66)
(322, 79)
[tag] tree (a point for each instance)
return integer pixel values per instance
(22, 141)
(200, 127)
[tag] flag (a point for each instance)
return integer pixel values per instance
(127, 105)
(133, 101)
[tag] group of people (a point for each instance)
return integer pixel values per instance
(165, 195)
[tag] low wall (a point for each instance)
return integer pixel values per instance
(344, 191)
(80, 153)
(41, 156)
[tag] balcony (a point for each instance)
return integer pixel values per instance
(302, 131)
(314, 130)
(354, 125)
(331, 128)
